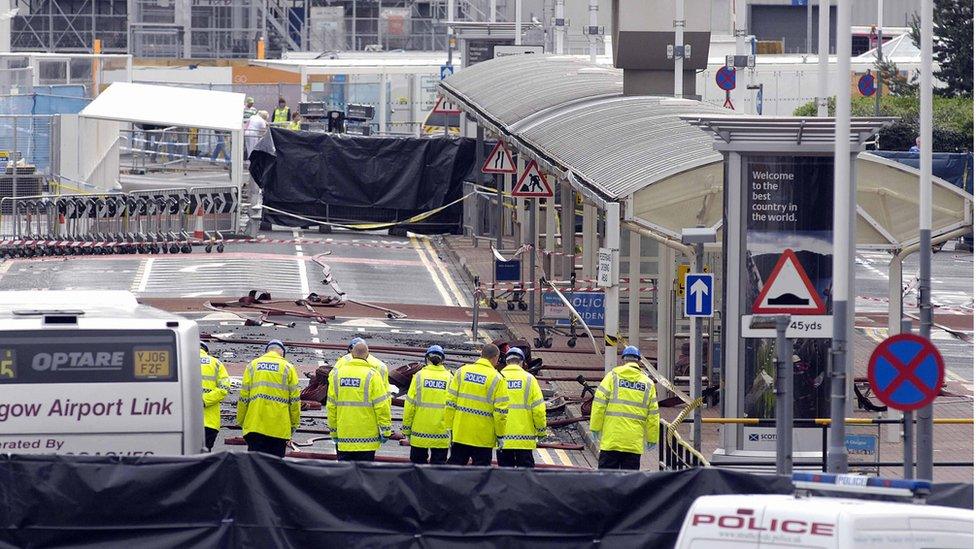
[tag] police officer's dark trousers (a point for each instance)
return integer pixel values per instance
(356, 456)
(615, 459)
(515, 458)
(462, 453)
(433, 456)
(256, 442)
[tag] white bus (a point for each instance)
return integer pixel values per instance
(96, 373)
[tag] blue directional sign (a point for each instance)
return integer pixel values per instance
(700, 295)
(906, 372)
(446, 70)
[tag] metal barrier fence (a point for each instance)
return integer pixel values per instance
(674, 454)
(150, 221)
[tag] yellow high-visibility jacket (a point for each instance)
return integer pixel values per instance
(374, 363)
(423, 409)
(270, 402)
(526, 410)
(625, 410)
(358, 407)
(216, 385)
(477, 405)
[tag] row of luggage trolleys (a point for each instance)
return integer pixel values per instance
(138, 222)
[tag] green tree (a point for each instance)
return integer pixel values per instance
(952, 44)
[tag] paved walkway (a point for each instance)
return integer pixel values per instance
(953, 442)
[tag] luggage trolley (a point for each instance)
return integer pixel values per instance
(507, 271)
(551, 322)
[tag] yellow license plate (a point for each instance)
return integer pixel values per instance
(152, 363)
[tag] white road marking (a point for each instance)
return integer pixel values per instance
(430, 268)
(146, 270)
(442, 269)
(302, 270)
(196, 267)
(314, 329)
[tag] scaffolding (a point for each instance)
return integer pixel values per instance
(231, 29)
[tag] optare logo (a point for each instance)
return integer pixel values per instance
(8, 366)
(754, 437)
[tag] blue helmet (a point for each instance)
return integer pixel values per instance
(435, 350)
(275, 343)
(630, 350)
(515, 351)
(354, 341)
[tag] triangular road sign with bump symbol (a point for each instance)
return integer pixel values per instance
(788, 290)
(532, 184)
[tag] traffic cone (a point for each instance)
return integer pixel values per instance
(198, 230)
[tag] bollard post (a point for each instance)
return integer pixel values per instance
(784, 399)
(475, 309)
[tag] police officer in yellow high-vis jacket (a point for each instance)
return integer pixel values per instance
(477, 408)
(624, 418)
(374, 363)
(216, 385)
(423, 410)
(526, 421)
(358, 408)
(282, 115)
(269, 407)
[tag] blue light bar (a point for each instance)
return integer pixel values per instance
(858, 483)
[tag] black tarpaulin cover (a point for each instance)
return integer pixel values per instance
(253, 500)
(346, 178)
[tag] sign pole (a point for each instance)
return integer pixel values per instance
(823, 51)
(534, 242)
(924, 438)
(696, 351)
(836, 450)
(784, 399)
(500, 208)
(908, 424)
(879, 84)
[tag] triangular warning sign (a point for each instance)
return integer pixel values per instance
(499, 160)
(532, 184)
(446, 106)
(788, 290)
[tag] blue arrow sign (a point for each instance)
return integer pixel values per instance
(701, 295)
(446, 70)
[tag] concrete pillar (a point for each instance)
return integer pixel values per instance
(665, 306)
(892, 433)
(611, 300)
(633, 298)
(568, 228)
(589, 240)
(384, 107)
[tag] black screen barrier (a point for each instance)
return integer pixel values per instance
(349, 179)
(252, 500)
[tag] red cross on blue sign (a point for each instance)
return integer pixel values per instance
(725, 78)
(906, 372)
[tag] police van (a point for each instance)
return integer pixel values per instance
(799, 521)
(96, 373)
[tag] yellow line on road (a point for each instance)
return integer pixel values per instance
(563, 457)
(544, 454)
(430, 268)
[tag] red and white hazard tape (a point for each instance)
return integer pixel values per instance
(515, 287)
(952, 308)
(194, 241)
